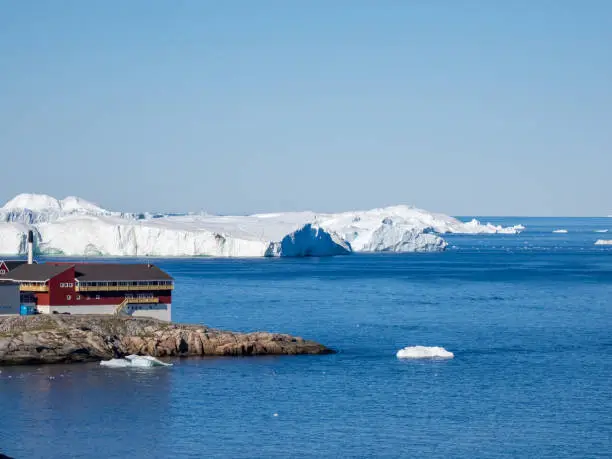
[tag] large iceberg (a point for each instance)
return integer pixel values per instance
(75, 227)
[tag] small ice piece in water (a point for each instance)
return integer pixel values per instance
(115, 363)
(135, 361)
(601, 231)
(146, 361)
(603, 242)
(424, 352)
(560, 231)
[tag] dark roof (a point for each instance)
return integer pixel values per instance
(36, 273)
(93, 272)
(12, 264)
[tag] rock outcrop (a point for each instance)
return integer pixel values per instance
(64, 339)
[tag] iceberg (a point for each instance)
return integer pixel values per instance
(36, 208)
(13, 238)
(603, 242)
(312, 241)
(135, 361)
(601, 231)
(560, 231)
(424, 352)
(76, 227)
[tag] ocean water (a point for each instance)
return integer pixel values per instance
(528, 317)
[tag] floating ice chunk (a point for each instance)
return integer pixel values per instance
(115, 363)
(474, 226)
(603, 242)
(560, 231)
(136, 361)
(424, 352)
(146, 361)
(601, 231)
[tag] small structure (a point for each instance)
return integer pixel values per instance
(95, 288)
(84, 288)
(9, 297)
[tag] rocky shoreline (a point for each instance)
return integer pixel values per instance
(43, 339)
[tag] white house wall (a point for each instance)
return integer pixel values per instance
(155, 310)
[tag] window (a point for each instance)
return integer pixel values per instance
(68, 297)
(97, 297)
(78, 297)
(62, 285)
(2, 271)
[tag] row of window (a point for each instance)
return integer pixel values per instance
(124, 283)
(66, 285)
(2, 271)
(69, 297)
(141, 308)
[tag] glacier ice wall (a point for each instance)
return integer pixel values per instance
(75, 227)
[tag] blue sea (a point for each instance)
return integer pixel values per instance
(528, 317)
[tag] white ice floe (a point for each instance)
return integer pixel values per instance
(560, 231)
(424, 352)
(135, 361)
(601, 231)
(75, 227)
(603, 242)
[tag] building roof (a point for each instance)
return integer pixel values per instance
(12, 264)
(88, 272)
(102, 272)
(35, 273)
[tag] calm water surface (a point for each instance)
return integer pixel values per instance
(528, 317)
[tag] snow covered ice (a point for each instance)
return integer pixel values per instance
(76, 227)
(135, 361)
(560, 231)
(424, 352)
(603, 242)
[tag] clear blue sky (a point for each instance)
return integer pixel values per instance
(464, 107)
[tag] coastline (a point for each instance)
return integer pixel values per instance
(47, 339)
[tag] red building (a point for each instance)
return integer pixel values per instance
(95, 288)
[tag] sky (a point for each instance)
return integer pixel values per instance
(467, 108)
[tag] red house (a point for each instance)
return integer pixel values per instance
(95, 288)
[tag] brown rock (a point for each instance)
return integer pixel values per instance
(55, 339)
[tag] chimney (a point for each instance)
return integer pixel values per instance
(30, 247)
